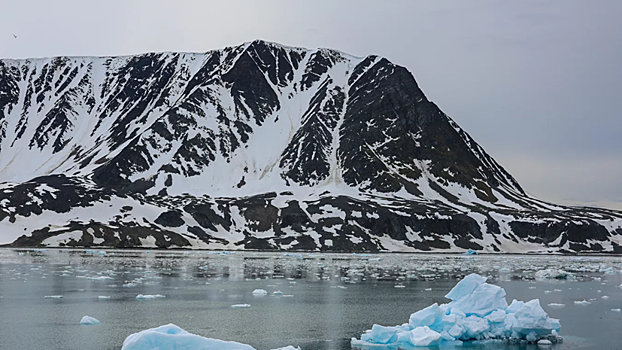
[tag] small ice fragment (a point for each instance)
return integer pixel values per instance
(555, 305)
(53, 297)
(532, 287)
(544, 342)
(260, 292)
(89, 321)
(615, 310)
(428, 289)
(471, 252)
(240, 306)
(103, 297)
(277, 292)
(399, 286)
(149, 296)
(604, 297)
(582, 302)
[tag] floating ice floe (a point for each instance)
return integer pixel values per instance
(615, 310)
(471, 252)
(260, 292)
(99, 278)
(556, 305)
(53, 297)
(582, 302)
(477, 311)
(555, 274)
(89, 321)
(240, 306)
(172, 337)
(103, 297)
(149, 296)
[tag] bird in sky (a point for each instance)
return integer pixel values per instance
(15, 36)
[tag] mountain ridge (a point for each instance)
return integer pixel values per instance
(199, 141)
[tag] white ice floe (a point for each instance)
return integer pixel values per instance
(615, 310)
(553, 274)
(99, 278)
(582, 302)
(477, 311)
(103, 297)
(277, 292)
(53, 297)
(89, 321)
(149, 296)
(260, 292)
(172, 337)
(240, 306)
(556, 305)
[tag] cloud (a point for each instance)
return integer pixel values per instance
(536, 83)
(580, 180)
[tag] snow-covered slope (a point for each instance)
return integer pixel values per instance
(258, 146)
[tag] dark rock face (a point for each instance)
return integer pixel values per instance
(258, 146)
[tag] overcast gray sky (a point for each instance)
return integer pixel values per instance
(537, 83)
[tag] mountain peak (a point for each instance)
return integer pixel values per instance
(258, 146)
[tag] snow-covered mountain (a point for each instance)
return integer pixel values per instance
(258, 146)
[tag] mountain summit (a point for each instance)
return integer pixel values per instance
(258, 146)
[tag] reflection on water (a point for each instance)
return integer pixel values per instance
(325, 299)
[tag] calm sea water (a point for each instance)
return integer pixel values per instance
(327, 298)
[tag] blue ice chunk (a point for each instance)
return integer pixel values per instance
(425, 317)
(515, 306)
(383, 335)
(171, 337)
(478, 310)
(89, 321)
(466, 286)
(532, 318)
(421, 336)
(484, 299)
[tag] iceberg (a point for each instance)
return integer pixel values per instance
(476, 311)
(260, 292)
(172, 337)
(89, 321)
